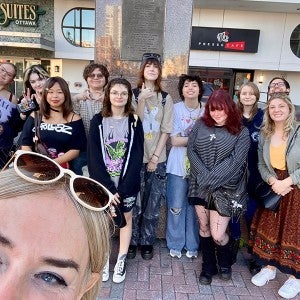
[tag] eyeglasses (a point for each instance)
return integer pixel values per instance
(151, 56)
(3, 70)
(96, 76)
(279, 84)
(122, 94)
(40, 169)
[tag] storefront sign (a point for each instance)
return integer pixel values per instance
(21, 14)
(225, 39)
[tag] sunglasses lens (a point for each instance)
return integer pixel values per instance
(37, 167)
(90, 192)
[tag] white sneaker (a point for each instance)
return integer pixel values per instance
(290, 289)
(191, 254)
(175, 253)
(263, 277)
(105, 272)
(120, 270)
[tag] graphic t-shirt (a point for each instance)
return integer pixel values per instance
(8, 113)
(184, 120)
(59, 138)
(115, 134)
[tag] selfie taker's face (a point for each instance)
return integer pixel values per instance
(43, 248)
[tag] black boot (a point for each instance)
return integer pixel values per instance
(209, 262)
(224, 256)
(235, 245)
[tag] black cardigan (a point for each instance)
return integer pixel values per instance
(130, 180)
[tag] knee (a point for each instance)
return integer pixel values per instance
(220, 239)
(175, 211)
(205, 230)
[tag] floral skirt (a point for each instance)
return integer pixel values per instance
(275, 237)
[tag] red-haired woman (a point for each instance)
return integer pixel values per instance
(217, 150)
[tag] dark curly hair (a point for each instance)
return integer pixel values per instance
(88, 70)
(183, 78)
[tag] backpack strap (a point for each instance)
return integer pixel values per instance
(164, 94)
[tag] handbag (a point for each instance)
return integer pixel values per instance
(264, 193)
(39, 146)
(231, 200)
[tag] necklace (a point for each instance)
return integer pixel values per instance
(190, 110)
(54, 109)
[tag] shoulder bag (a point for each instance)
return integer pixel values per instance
(39, 146)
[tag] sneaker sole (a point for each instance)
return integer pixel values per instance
(260, 285)
(286, 296)
(119, 279)
(105, 278)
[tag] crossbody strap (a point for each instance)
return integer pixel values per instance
(290, 142)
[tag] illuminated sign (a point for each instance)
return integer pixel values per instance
(20, 14)
(225, 39)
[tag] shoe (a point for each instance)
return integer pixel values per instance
(263, 277)
(105, 272)
(205, 278)
(131, 251)
(290, 289)
(147, 252)
(191, 254)
(120, 270)
(175, 253)
(225, 273)
(254, 267)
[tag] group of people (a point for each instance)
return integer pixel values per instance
(121, 134)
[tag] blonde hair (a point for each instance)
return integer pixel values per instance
(268, 125)
(96, 224)
(256, 93)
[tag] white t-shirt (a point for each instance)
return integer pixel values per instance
(184, 120)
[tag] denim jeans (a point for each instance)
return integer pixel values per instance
(182, 224)
(148, 204)
(78, 163)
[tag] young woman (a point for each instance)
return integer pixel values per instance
(115, 157)
(89, 103)
(182, 225)
(217, 149)
(10, 122)
(155, 108)
(252, 116)
(61, 130)
(275, 235)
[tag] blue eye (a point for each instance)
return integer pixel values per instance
(51, 279)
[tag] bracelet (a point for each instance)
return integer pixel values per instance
(155, 155)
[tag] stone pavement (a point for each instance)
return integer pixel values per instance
(169, 278)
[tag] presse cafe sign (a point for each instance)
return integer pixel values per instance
(20, 14)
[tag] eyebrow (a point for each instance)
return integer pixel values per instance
(61, 263)
(4, 241)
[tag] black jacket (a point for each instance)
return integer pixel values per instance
(130, 180)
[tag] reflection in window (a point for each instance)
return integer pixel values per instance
(295, 41)
(78, 27)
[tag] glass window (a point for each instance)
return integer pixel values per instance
(295, 41)
(78, 27)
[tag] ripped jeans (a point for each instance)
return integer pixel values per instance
(182, 224)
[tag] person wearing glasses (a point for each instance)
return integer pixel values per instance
(54, 233)
(61, 130)
(88, 103)
(278, 85)
(182, 224)
(155, 108)
(115, 157)
(34, 79)
(10, 122)
(275, 236)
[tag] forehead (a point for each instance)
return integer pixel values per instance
(277, 101)
(187, 81)
(55, 86)
(119, 87)
(247, 88)
(96, 70)
(277, 80)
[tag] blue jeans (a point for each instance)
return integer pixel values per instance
(146, 211)
(182, 224)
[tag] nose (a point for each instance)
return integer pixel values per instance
(13, 288)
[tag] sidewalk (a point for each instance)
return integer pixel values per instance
(169, 278)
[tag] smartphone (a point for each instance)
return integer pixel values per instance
(27, 106)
